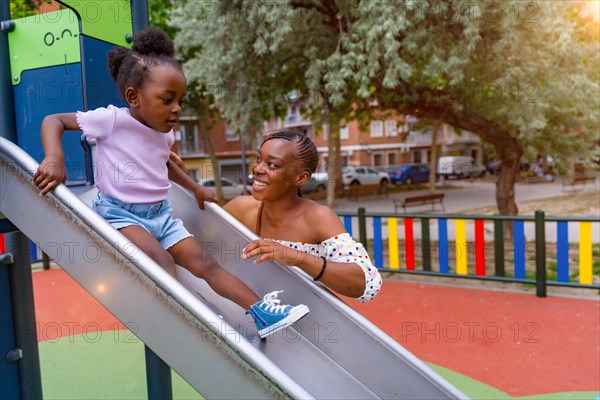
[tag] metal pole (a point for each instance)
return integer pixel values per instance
(540, 254)
(139, 14)
(21, 286)
(158, 377)
(7, 113)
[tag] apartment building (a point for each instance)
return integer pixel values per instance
(384, 143)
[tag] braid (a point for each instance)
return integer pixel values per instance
(131, 67)
(306, 149)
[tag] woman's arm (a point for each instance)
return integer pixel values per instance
(51, 171)
(345, 278)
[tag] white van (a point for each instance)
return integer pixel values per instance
(459, 167)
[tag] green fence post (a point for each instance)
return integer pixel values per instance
(540, 254)
(425, 244)
(499, 247)
(362, 227)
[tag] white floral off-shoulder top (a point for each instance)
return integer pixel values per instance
(342, 248)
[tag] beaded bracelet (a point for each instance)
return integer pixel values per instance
(322, 269)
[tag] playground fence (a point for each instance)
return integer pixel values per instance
(537, 250)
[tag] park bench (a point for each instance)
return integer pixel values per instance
(431, 198)
(578, 180)
(355, 191)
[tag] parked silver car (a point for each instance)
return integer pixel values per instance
(316, 183)
(359, 175)
(230, 188)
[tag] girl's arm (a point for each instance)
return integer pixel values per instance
(178, 175)
(51, 171)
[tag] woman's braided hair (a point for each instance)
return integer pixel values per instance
(131, 67)
(306, 151)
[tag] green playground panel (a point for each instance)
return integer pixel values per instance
(107, 20)
(43, 40)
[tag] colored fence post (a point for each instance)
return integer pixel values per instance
(479, 248)
(562, 251)
(499, 247)
(540, 254)
(519, 248)
(585, 253)
(362, 227)
(462, 249)
(409, 244)
(443, 245)
(377, 243)
(393, 242)
(348, 224)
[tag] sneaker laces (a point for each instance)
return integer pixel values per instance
(272, 302)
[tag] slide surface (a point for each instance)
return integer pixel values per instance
(332, 353)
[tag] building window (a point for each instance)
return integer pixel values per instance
(377, 159)
(190, 142)
(416, 156)
(391, 127)
(231, 135)
(376, 128)
(344, 132)
(391, 158)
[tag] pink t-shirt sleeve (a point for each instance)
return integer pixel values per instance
(97, 124)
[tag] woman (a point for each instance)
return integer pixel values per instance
(297, 231)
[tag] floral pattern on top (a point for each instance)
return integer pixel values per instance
(342, 248)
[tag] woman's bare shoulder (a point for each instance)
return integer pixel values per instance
(242, 207)
(324, 219)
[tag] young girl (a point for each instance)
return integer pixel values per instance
(133, 171)
(297, 231)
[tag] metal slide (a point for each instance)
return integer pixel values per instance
(332, 353)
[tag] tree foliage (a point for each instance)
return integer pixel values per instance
(519, 74)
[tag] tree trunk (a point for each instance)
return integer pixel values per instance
(213, 160)
(334, 162)
(433, 159)
(505, 142)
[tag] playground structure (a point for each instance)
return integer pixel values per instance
(58, 65)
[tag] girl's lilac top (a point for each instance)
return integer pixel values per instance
(131, 158)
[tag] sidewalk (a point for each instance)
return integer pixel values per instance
(461, 196)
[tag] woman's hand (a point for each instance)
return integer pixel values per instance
(50, 174)
(269, 250)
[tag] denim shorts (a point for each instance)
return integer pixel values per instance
(154, 217)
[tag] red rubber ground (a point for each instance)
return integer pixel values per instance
(518, 343)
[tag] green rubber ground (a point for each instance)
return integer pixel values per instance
(110, 365)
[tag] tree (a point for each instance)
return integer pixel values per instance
(517, 74)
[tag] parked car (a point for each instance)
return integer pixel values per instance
(316, 183)
(230, 188)
(358, 175)
(410, 173)
(459, 167)
(493, 167)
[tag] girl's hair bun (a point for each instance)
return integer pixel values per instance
(153, 41)
(116, 57)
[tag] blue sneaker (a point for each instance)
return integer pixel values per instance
(270, 317)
